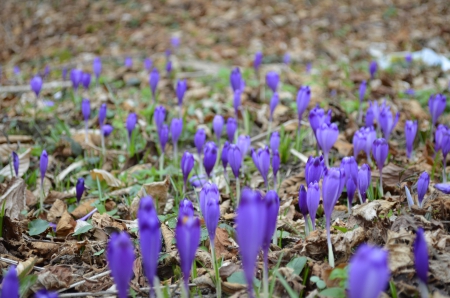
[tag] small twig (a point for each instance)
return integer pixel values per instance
(12, 262)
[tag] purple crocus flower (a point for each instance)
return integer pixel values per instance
(64, 73)
(440, 137)
(224, 157)
(159, 115)
(237, 101)
(175, 41)
(187, 164)
(380, 150)
(422, 187)
(258, 60)
(46, 71)
(148, 63)
(436, 105)
(421, 256)
(43, 293)
(209, 205)
(314, 169)
(273, 104)
(86, 109)
(272, 80)
(261, 159)
(150, 237)
(375, 110)
(36, 85)
(317, 117)
(169, 67)
(303, 203)
(368, 261)
(410, 135)
(327, 135)
(75, 77)
(181, 90)
(303, 99)
(128, 62)
(408, 58)
(163, 135)
(43, 163)
(120, 256)
(107, 129)
(363, 140)
(244, 143)
(275, 164)
(209, 157)
(312, 201)
(308, 67)
(234, 159)
(187, 235)
(102, 114)
(387, 122)
(10, 285)
(231, 128)
(218, 126)
(86, 80)
(333, 183)
(199, 140)
(350, 168)
(373, 69)
(251, 213)
(16, 163)
(97, 67)
(370, 117)
(362, 91)
(16, 70)
(153, 81)
(131, 123)
(79, 189)
(274, 141)
(364, 181)
(443, 187)
(272, 204)
(286, 59)
(176, 127)
(186, 208)
(235, 79)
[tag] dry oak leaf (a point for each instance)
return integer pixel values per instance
(83, 208)
(24, 165)
(15, 196)
(56, 211)
(158, 191)
(107, 177)
(221, 242)
(56, 277)
(66, 225)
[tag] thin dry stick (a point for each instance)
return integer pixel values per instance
(12, 262)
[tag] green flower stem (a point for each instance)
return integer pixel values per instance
(238, 191)
(330, 247)
(161, 165)
(216, 271)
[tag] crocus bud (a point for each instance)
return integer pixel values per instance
(128, 62)
(408, 58)
(64, 73)
(86, 109)
(364, 181)
(332, 185)
(314, 169)
(312, 201)
(10, 285)
(169, 67)
(224, 157)
(153, 81)
(187, 164)
(261, 159)
(209, 157)
(234, 159)
(368, 261)
(303, 201)
(16, 162)
(350, 168)
(102, 114)
(303, 99)
(187, 235)
(373, 69)
(43, 293)
(327, 135)
(159, 115)
(209, 205)
(373, 106)
(410, 135)
(370, 117)
(176, 127)
(218, 126)
(231, 129)
(308, 67)
(175, 42)
(272, 202)
(168, 53)
(387, 122)
(43, 163)
(443, 187)
(274, 141)
(421, 256)
(380, 150)
(199, 140)
(163, 134)
(440, 137)
(362, 91)
(275, 163)
(149, 236)
(317, 117)
(250, 214)
(186, 208)
(286, 58)
(131, 123)
(273, 104)
(107, 130)
(235, 79)
(36, 85)
(75, 77)
(79, 189)
(272, 80)
(148, 63)
(351, 188)
(436, 105)
(97, 67)
(16, 70)
(258, 60)
(244, 143)
(86, 80)
(120, 256)
(181, 90)
(422, 187)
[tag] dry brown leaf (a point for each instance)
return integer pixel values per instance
(84, 208)
(54, 195)
(24, 165)
(44, 249)
(107, 177)
(221, 243)
(56, 277)
(15, 139)
(7, 149)
(15, 196)
(56, 211)
(66, 225)
(158, 191)
(369, 210)
(343, 146)
(204, 280)
(69, 169)
(167, 236)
